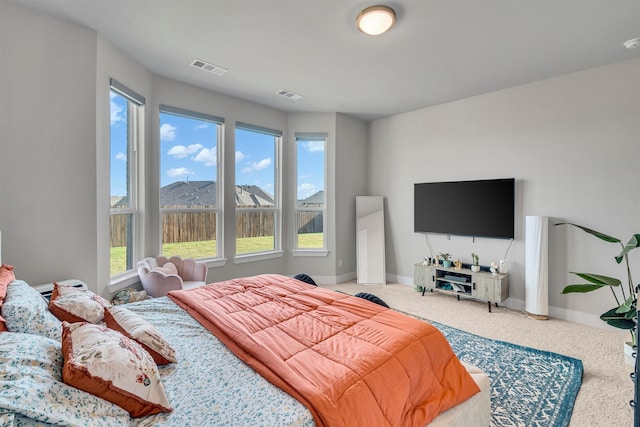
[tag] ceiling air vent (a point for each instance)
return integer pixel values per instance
(207, 66)
(290, 95)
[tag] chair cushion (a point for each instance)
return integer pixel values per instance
(191, 284)
(168, 268)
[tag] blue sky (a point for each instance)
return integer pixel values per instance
(188, 150)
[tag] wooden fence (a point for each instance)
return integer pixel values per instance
(200, 226)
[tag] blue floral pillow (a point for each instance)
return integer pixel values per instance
(25, 310)
(31, 386)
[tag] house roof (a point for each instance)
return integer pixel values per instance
(189, 194)
(203, 194)
(314, 199)
(439, 50)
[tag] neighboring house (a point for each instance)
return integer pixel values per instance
(188, 194)
(314, 201)
(202, 194)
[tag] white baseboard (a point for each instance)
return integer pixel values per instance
(518, 304)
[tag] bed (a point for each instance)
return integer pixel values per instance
(208, 385)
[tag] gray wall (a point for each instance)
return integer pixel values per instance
(571, 142)
(47, 146)
(54, 167)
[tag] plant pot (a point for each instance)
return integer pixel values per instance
(475, 268)
(446, 264)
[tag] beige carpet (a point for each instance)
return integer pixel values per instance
(606, 389)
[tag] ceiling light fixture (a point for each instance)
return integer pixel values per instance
(632, 44)
(375, 20)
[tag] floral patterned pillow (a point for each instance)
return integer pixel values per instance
(107, 364)
(6, 277)
(77, 305)
(24, 310)
(32, 391)
(132, 325)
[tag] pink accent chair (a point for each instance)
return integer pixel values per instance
(161, 274)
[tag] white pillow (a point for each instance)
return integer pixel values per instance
(31, 386)
(132, 325)
(25, 310)
(107, 364)
(76, 305)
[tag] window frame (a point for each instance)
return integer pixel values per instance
(135, 135)
(244, 257)
(218, 259)
(298, 251)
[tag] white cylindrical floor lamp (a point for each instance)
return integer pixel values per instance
(537, 267)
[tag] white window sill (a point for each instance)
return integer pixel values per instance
(123, 280)
(310, 252)
(214, 262)
(241, 259)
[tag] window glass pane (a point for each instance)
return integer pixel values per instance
(189, 188)
(255, 231)
(120, 156)
(310, 197)
(122, 161)
(255, 191)
(310, 230)
(310, 177)
(121, 243)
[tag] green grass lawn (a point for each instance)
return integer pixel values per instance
(207, 249)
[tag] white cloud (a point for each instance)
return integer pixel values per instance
(256, 166)
(167, 132)
(305, 190)
(180, 151)
(175, 172)
(206, 156)
(314, 146)
(239, 156)
(202, 126)
(121, 156)
(116, 112)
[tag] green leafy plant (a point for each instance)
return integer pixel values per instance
(476, 259)
(444, 257)
(623, 314)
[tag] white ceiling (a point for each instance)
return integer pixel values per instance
(439, 50)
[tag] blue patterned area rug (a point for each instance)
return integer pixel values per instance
(529, 387)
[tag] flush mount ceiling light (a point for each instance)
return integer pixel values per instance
(632, 44)
(375, 20)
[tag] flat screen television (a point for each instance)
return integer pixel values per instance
(481, 208)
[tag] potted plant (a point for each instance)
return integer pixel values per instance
(446, 262)
(621, 316)
(475, 266)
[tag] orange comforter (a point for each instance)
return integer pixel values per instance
(350, 361)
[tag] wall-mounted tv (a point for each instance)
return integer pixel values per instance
(481, 208)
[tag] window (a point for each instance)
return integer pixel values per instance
(127, 112)
(257, 180)
(310, 195)
(189, 183)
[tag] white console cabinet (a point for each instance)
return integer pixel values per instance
(481, 286)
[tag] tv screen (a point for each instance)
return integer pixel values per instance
(481, 208)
